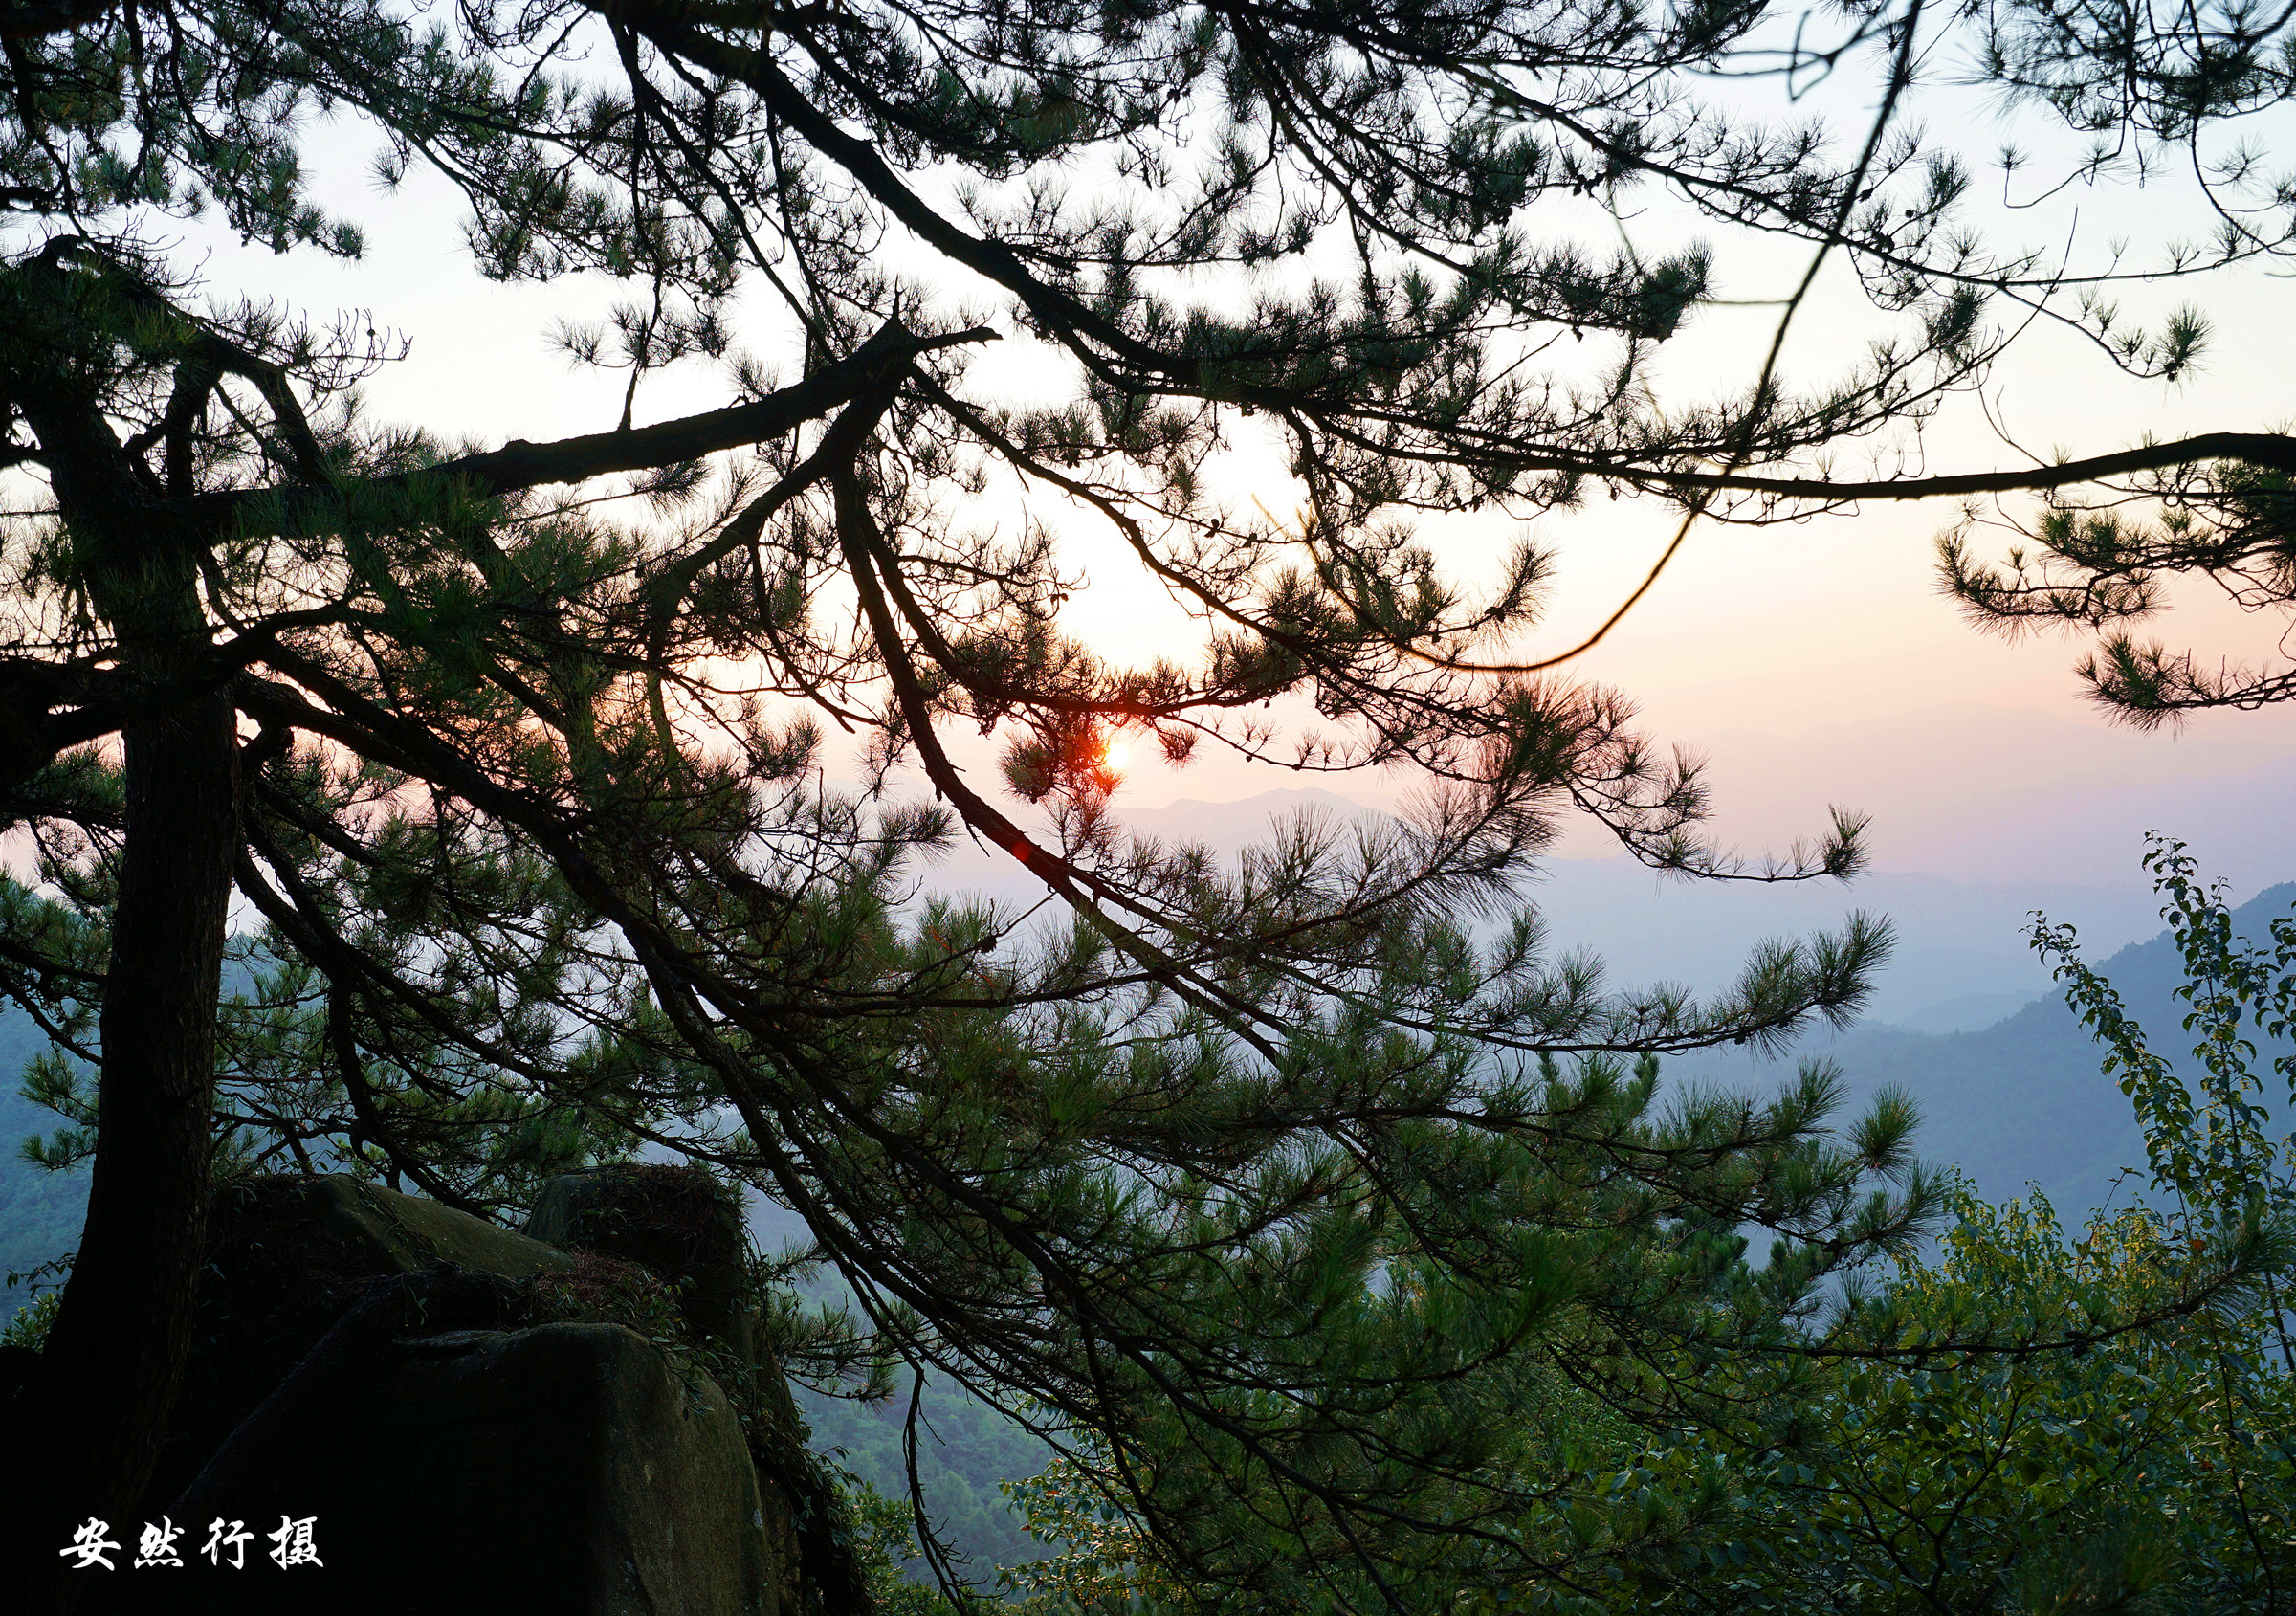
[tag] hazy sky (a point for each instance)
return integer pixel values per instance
(1815, 663)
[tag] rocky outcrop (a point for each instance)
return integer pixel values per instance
(685, 1226)
(562, 1468)
(289, 1256)
(463, 1416)
(679, 1224)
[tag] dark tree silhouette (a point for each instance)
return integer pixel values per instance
(514, 750)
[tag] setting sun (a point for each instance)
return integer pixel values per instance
(1116, 756)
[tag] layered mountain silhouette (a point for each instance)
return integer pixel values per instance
(2025, 1101)
(2006, 1077)
(2017, 1101)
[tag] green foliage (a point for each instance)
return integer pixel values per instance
(885, 1542)
(2115, 1432)
(2209, 1149)
(29, 1328)
(2143, 1469)
(2148, 1460)
(1286, 1180)
(1104, 1562)
(965, 1450)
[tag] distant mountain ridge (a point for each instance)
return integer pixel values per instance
(2023, 1100)
(2019, 1100)
(1956, 937)
(1964, 1012)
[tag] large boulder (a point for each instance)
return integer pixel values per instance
(679, 1224)
(286, 1257)
(684, 1226)
(319, 1294)
(565, 1468)
(393, 1233)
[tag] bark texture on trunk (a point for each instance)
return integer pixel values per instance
(126, 1315)
(106, 1383)
(87, 1423)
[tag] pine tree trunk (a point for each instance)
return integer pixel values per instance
(114, 1360)
(86, 1428)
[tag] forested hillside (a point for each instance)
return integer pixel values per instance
(964, 1451)
(39, 1212)
(2023, 1101)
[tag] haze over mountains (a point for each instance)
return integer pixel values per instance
(1965, 1017)
(1958, 938)
(2023, 1102)
(1962, 1018)
(2013, 795)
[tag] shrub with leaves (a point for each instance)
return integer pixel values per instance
(2032, 1421)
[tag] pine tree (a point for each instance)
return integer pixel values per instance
(516, 750)
(2109, 543)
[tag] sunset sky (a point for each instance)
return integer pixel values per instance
(1815, 663)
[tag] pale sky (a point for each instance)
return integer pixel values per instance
(1815, 662)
